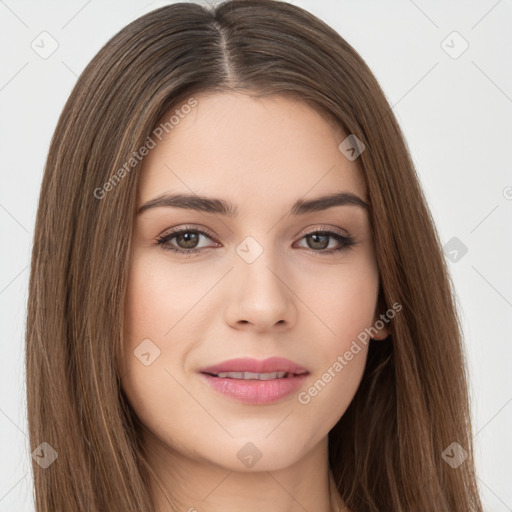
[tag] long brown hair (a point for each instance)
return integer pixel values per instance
(386, 452)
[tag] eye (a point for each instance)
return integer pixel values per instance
(186, 241)
(318, 241)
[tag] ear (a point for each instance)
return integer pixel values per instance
(380, 320)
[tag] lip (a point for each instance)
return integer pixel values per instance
(272, 364)
(256, 392)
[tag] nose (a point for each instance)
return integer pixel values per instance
(262, 297)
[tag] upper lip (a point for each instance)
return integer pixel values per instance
(270, 365)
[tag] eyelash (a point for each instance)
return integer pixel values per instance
(347, 241)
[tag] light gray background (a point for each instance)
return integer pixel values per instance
(457, 117)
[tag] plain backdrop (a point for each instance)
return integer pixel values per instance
(445, 67)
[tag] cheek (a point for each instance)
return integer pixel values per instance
(156, 300)
(341, 351)
(153, 305)
(344, 308)
(331, 390)
(151, 309)
(342, 300)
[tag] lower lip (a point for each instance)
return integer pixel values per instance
(256, 391)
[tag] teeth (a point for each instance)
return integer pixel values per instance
(251, 375)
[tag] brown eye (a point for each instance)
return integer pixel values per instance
(318, 242)
(185, 241)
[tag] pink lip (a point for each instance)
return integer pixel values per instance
(256, 391)
(272, 364)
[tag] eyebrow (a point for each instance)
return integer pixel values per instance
(228, 209)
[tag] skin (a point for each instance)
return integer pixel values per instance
(262, 155)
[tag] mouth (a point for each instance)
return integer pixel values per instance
(255, 376)
(255, 382)
(251, 367)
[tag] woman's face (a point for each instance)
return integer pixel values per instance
(263, 280)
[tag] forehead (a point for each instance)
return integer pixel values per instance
(247, 149)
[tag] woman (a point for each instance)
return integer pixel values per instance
(238, 298)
